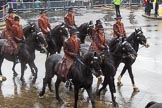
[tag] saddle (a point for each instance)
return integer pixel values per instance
(62, 69)
(7, 48)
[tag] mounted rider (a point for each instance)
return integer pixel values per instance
(99, 42)
(71, 48)
(70, 19)
(14, 39)
(118, 28)
(44, 24)
(72, 52)
(98, 22)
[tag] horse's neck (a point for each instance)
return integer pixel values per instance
(30, 45)
(133, 42)
(83, 28)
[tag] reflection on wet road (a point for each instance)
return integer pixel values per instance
(146, 69)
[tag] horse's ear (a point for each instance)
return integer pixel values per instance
(135, 30)
(140, 28)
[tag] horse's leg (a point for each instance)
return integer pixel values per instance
(45, 81)
(99, 82)
(105, 82)
(22, 71)
(13, 69)
(34, 69)
(112, 90)
(89, 91)
(135, 88)
(57, 84)
(50, 85)
(119, 83)
(76, 92)
(1, 61)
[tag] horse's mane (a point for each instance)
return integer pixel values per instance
(131, 36)
(56, 27)
(82, 26)
(86, 57)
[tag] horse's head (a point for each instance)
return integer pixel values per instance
(90, 28)
(37, 37)
(127, 50)
(92, 61)
(63, 30)
(29, 29)
(140, 38)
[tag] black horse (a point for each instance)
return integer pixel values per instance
(56, 38)
(84, 30)
(26, 53)
(110, 63)
(80, 73)
(134, 39)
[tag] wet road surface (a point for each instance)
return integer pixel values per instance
(146, 69)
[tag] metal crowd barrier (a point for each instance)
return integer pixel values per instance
(3, 12)
(59, 4)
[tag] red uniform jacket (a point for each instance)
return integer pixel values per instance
(69, 20)
(44, 24)
(18, 32)
(98, 43)
(71, 48)
(119, 30)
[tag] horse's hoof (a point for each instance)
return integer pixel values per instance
(60, 101)
(119, 84)
(136, 89)
(115, 104)
(41, 94)
(41, 97)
